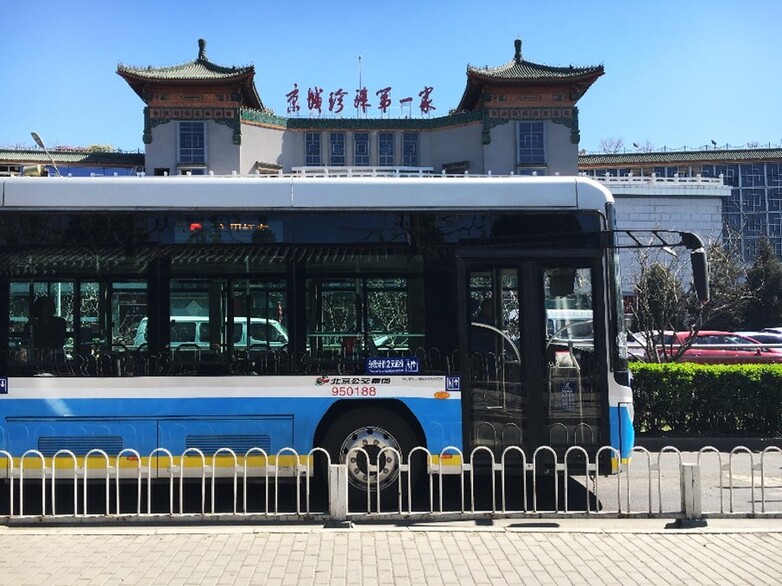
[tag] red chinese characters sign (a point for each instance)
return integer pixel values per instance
(361, 103)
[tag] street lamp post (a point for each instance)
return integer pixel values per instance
(39, 141)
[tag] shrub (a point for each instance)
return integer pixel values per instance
(716, 400)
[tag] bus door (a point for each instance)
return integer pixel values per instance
(572, 410)
(493, 383)
(531, 376)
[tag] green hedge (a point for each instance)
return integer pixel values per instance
(715, 400)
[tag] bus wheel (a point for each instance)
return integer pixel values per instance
(370, 430)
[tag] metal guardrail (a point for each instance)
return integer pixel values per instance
(193, 486)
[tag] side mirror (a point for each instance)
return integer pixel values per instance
(700, 274)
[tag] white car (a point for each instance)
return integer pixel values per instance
(766, 337)
(194, 331)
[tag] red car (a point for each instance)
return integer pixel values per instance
(714, 347)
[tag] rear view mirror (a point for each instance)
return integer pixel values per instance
(700, 274)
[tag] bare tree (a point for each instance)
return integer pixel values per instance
(659, 306)
(730, 292)
(612, 145)
(664, 304)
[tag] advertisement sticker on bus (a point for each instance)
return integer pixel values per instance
(395, 365)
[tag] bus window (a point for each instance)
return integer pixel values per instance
(573, 406)
(361, 316)
(128, 307)
(495, 365)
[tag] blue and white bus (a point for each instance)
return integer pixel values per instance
(385, 311)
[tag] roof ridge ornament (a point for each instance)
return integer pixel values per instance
(202, 49)
(517, 56)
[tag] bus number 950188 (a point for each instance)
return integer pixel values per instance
(353, 391)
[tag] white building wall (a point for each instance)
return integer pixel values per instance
(688, 205)
(270, 145)
(161, 152)
(500, 154)
(561, 153)
(222, 155)
(451, 145)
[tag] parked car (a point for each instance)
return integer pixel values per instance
(636, 347)
(717, 347)
(193, 331)
(765, 337)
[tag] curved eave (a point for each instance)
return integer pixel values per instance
(211, 80)
(197, 69)
(477, 81)
(139, 82)
(557, 76)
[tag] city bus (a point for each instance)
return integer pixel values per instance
(385, 311)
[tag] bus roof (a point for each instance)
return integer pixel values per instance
(300, 192)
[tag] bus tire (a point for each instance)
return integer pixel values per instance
(371, 429)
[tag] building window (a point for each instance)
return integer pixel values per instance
(192, 143)
(385, 149)
(753, 200)
(312, 148)
(774, 174)
(337, 149)
(531, 143)
(775, 200)
(361, 149)
(775, 225)
(730, 174)
(410, 149)
(752, 175)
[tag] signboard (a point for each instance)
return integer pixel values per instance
(397, 365)
(361, 101)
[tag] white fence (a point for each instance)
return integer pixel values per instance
(451, 485)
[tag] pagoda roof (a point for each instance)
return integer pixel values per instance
(201, 71)
(520, 72)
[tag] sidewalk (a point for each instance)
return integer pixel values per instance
(511, 551)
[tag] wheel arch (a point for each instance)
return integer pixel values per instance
(343, 407)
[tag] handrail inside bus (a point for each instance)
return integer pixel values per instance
(501, 333)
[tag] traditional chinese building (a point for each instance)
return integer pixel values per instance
(520, 117)
(202, 117)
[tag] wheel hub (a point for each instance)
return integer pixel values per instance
(371, 440)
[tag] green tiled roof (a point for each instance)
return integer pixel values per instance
(198, 70)
(201, 71)
(36, 157)
(717, 156)
(519, 72)
(519, 69)
(305, 123)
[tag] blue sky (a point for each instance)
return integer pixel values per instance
(678, 73)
